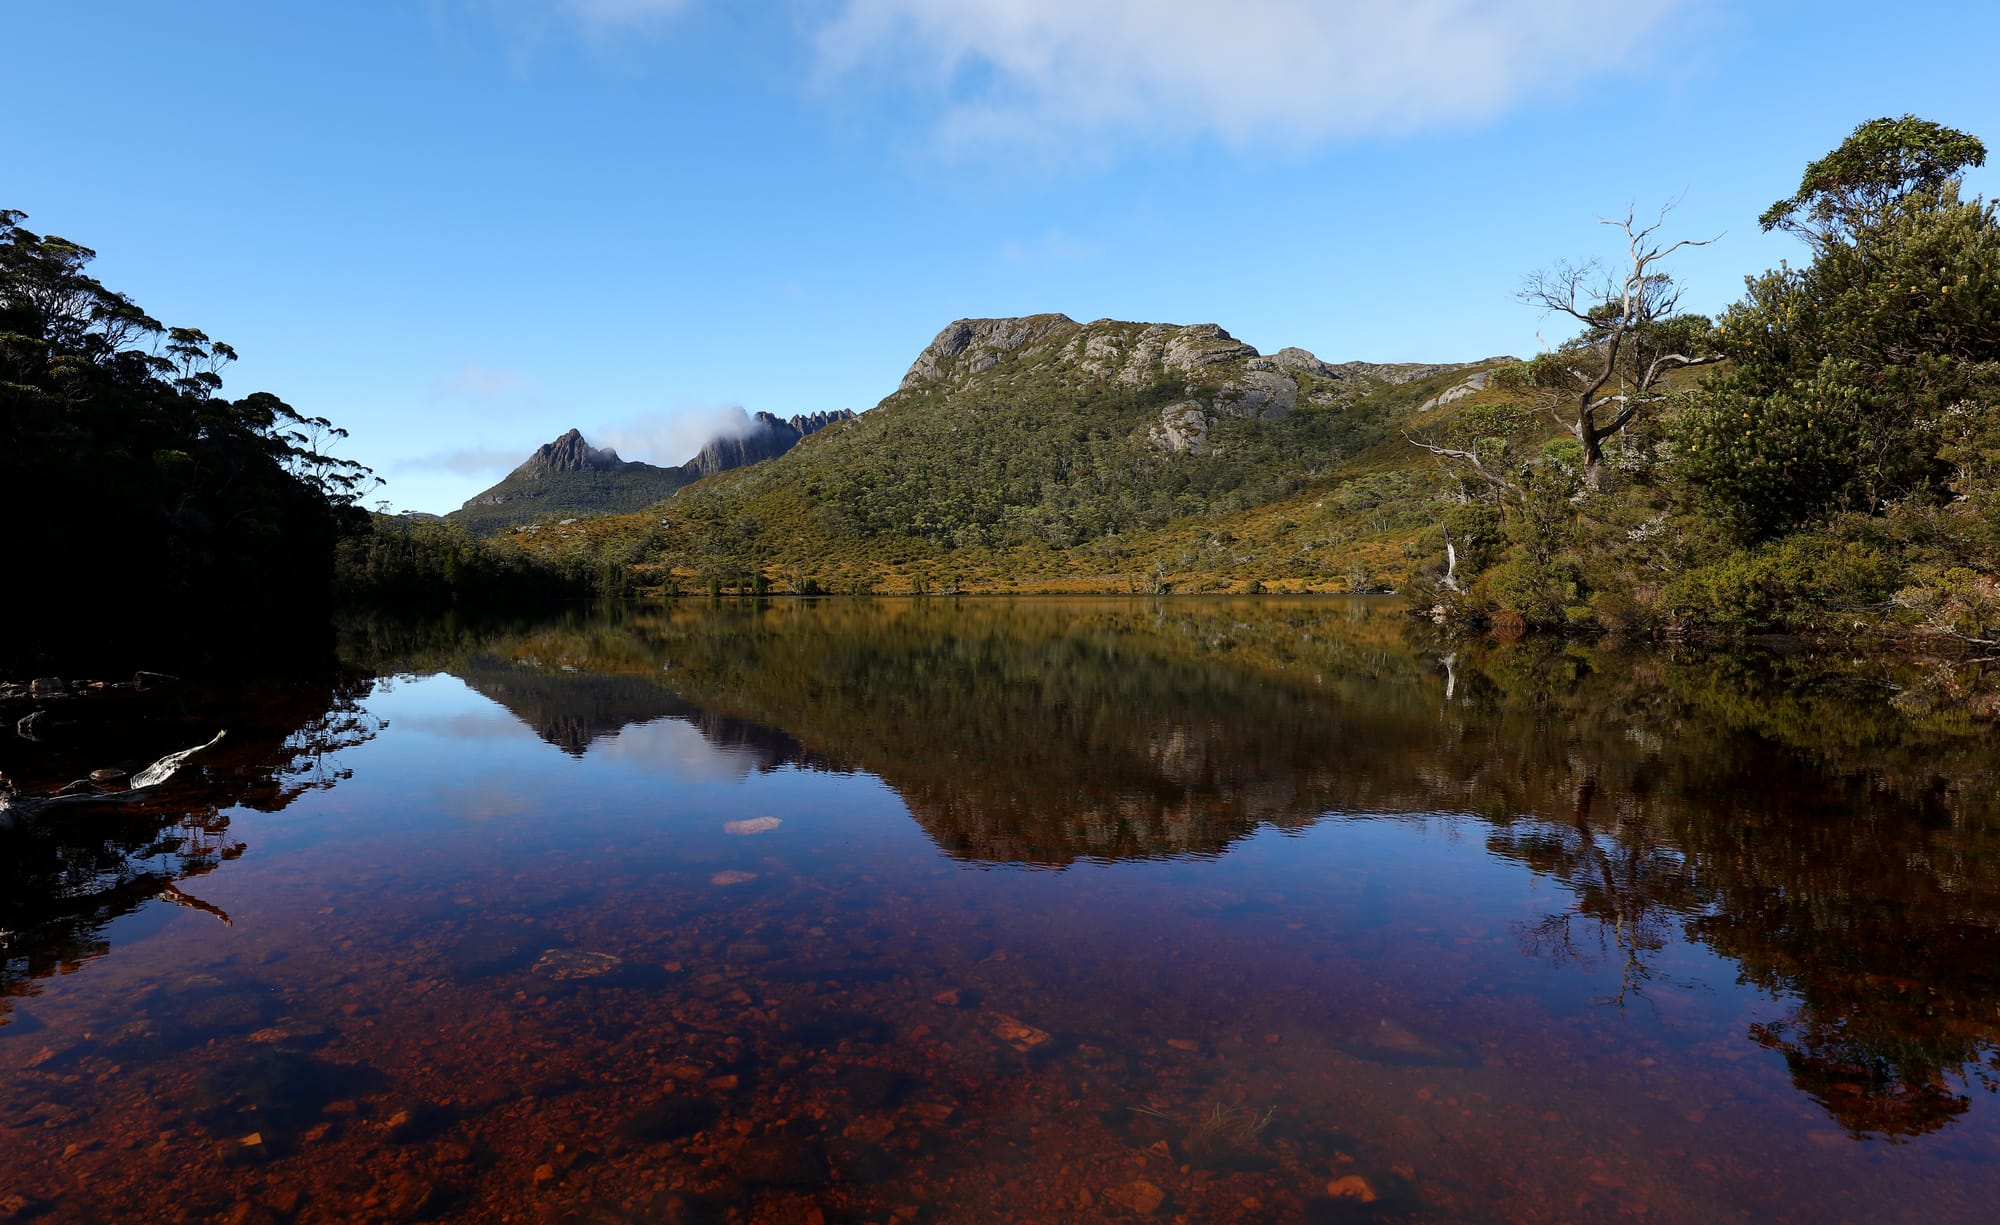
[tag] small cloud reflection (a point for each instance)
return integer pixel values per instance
(677, 750)
(490, 724)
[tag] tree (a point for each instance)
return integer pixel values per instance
(1881, 164)
(1848, 377)
(1602, 380)
(119, 456)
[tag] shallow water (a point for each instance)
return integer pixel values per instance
(1013, 911)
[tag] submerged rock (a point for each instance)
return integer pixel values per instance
(1137, 1196)
(1352, 1186)
(673, 1117)
(562, 965)
(1393, 1043)
(1018, 1034)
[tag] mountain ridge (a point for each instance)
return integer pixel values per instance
(1038, 453)
(569, 476)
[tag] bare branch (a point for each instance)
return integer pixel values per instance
(1498, 482)
(1681, 361)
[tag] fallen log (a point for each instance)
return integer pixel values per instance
(16, 809)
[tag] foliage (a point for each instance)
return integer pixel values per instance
(1036, 474)
(1881, 164)
(1839, 469)
(130, 478)
(562, 494)
(1844, 373)
(433, 562)
(1615, 371)
(1789, 582)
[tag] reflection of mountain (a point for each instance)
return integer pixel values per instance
(574, 709)
(1776, 809)
(64, 879)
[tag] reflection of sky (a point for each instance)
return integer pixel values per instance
(677, 750)
(451, 756)
(490, 724)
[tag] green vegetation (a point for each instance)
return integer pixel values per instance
(400, 561)
(1044, 471)
(1837, 471)
(145, 505)
(1822, 457)
(152, 516)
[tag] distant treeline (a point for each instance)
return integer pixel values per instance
(403, 561)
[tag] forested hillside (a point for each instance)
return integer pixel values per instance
(1822, 456)
(1039, 453)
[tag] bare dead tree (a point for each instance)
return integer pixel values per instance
(1459, 462)
(1632, 337)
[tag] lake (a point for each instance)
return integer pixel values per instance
(1030, 910)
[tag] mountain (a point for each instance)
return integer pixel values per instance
(768, 438)
(571, 477)
(1041, 454)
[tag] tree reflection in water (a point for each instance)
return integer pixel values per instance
(1827, 826)
(65, 878)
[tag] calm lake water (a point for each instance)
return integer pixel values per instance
(1011, 911)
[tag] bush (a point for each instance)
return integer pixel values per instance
(1542, 593)
(1794, 583)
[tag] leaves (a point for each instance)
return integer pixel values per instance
(1881, 164)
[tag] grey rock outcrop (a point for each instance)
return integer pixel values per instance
(1457, 391)
(571, 475)
(1295, 361)
(1258, 393)
(570, 453)
(968, 346)
(1202, 344)
(1183, 428)
(1218, 375)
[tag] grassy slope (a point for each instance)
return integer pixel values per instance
(1034, 477)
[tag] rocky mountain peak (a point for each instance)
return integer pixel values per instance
(767, 437)
(967, 346)
(569, 453)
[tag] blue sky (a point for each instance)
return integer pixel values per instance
(460, 227)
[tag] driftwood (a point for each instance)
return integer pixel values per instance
(18, 810)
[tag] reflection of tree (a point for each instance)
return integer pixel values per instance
(1629, 891)
(1051, 733)
(1840, 853)
(64, 880)
(1838, 847)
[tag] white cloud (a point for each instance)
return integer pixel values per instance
(466, 461)
(677, 750)
(1064, 72)
(670, 437)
